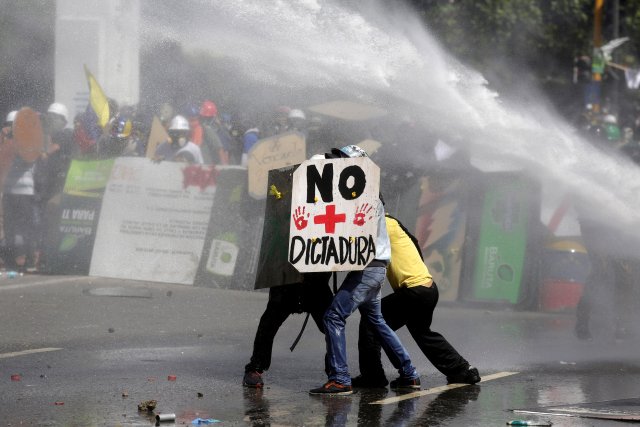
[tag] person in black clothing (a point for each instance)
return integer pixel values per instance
(414, 298)
(312, 296)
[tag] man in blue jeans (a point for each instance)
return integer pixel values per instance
(362, 290)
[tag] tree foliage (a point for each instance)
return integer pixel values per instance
(534, 34)
(511, 41)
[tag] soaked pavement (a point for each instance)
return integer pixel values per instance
(80, 351)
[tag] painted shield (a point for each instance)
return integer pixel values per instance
(279, 151)
(28, 135)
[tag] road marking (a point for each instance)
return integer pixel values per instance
(436, 390)
(43, 282)
(25, 352)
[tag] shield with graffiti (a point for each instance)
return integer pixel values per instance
(334, 215)
(278, 151)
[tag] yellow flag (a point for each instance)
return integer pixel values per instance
(98, 99)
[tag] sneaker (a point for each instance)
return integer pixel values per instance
(332, 387)
(253, 379)
(401, 383)
(362, 381)
(468, 376)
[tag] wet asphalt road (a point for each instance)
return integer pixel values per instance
(83, 351)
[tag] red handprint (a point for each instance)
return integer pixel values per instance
(299, 218)
(361, 213)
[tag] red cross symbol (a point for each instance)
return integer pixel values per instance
(329, 219)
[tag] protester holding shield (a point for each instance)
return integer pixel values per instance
(312, 295)
(21, 219)
(361, 290)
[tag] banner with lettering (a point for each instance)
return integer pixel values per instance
(153, 221)
(279, 151)
(68, 249)
(333, 213)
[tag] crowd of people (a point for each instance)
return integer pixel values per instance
(197, 133)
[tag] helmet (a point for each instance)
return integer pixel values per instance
(179, 123)
(208, 109)
(353, 151)
(297, 114)
(121, 127)
(58, 108)
(11, 116)
(610, 119)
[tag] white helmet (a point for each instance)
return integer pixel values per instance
(179, 123)
(11, 116)
(297, 114)
(353, 151)
(58, 108)
(610, 119)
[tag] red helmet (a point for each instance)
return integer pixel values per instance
(208, 109)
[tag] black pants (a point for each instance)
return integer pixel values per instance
(312, 296)
(412, 307)
(21, 225)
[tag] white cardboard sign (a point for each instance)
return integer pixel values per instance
(334, 206)
(153, 221)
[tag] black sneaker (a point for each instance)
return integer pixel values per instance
(253, 379)
(403, 383)
(362, 381)
(468, 376)
(334, 388)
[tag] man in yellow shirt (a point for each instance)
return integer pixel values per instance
(412, 303)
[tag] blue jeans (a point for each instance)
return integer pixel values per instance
(361, 290)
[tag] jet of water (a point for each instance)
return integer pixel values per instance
(382, 53)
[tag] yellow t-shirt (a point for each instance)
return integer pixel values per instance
(406, 269)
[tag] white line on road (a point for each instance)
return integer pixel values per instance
(25, 352)
(440, 389)
(43, 282)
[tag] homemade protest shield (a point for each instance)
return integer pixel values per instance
(276, 152)
(153, 221)
(70, 247)
(273, 267)
(230, 252)
(319, 216)
(28, 135)
(334, 219)
(157, 136)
